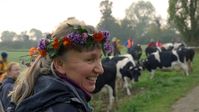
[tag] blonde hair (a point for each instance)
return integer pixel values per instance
(8, 69)
(42, 65)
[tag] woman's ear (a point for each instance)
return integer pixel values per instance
(59, 65)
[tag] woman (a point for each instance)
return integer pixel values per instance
(10, 75)
(116, 49)
(63, 76)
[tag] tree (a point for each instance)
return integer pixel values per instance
(126, 29)
(108, 22)
(140, 15)
(7, 36)
(35, 33)
(185, 15)
(23, 36)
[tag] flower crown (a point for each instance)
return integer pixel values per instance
(80, 36)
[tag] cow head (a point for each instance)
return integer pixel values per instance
(130, 71)
(142, 63)
(135, 72)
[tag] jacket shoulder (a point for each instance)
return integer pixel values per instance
(63, 107)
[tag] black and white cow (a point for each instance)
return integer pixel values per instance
(186, 54)
(168, 46)
(108, 80)
(116, 67)
(165, 47)
(127, 69)
(152, 49)
(167, 59)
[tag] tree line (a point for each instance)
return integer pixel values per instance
(140, 23)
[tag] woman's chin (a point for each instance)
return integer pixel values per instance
(90, 89)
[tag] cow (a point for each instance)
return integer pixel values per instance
(187, 54)
(118, 67)
(179, 45)
(165, 47)
(150, 50)
(167, 59)
(108, 80)
(127, 69)
(135, 51)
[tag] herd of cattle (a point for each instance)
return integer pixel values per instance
(130, 66)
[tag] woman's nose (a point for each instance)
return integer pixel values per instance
(99, 69)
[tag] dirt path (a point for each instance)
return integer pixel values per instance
(189, 103)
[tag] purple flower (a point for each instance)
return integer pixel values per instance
(106, 34)
(107, 46)
(42, 44)
(77, 38)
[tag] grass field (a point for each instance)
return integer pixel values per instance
(15, 56)
(148, 95)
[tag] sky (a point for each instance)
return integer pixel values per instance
(45, 15)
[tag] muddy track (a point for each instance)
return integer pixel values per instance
(188, 103)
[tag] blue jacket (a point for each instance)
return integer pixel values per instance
(53, 94)
(6, 87)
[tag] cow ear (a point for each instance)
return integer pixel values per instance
(131, 68)
(140, 68)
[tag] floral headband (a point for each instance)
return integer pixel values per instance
(50, 45)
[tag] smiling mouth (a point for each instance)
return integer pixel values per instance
(91, 78)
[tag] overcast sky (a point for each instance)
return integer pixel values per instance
(45, 15)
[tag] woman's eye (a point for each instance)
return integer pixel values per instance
(90, 59)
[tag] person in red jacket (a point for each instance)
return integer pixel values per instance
(130, 43)
(158, 44)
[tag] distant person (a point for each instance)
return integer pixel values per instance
(116, 47)
(151, 43)
(158, 44)
(63, 76)
(10, 75)
(3, 63)
(130, 44)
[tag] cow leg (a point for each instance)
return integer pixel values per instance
(111, 98)
(152, 74)
(189, 66)
(132, 81)
(185, 67)
(126, 85)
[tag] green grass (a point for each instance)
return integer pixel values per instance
(15, 56)
(18, 56)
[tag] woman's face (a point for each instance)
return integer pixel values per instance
(14, 71)
(83, 67)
